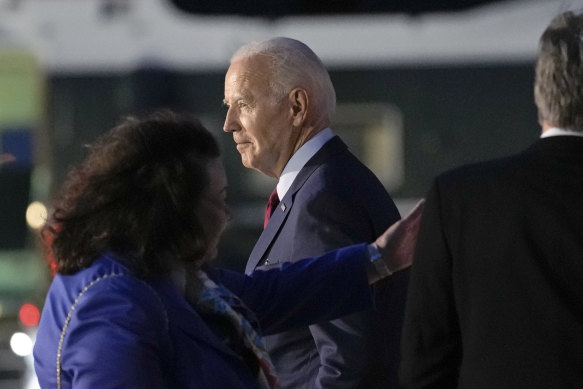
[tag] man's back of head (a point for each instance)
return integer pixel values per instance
(559, 73)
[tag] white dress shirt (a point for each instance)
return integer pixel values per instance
(300, 158)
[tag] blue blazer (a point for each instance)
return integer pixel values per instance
(103, 327)
(335, 201)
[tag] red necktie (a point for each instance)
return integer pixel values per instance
(271, 204)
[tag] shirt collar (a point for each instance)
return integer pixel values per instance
(554, 131)
(300, 158)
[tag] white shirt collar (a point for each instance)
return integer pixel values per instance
(554, 131)
(300, 158)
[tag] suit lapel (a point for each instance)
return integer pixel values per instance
(270, 232)
(332, 147)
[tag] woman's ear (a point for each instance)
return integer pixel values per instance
(299, 105)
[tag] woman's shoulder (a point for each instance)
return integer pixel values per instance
(100, 308)
(107, 269)
(107, 295)
(108, 281)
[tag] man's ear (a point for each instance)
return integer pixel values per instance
(299, 105)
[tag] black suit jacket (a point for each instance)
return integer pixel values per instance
(333, 202)
(496, 292)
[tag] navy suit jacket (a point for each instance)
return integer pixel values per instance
(333, 202)
(496, 293)
(104, 327)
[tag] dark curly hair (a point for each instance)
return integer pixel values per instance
(135, 195)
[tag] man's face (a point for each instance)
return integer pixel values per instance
(261, 126)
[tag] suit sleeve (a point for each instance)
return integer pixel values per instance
(338, 278)
(115, 337)
(431, 344)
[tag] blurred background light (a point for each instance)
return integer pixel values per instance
(29, 315)
(21, 344)
(36, 215)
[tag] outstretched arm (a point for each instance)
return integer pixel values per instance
(397, 244)
(265, 290)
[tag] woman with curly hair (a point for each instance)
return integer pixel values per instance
(135, 302)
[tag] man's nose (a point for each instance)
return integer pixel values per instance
(231, 123)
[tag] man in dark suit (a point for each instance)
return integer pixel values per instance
(281, 102)
(496, 293)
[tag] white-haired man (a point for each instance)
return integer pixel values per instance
(280, 105)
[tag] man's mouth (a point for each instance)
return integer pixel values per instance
(242, 144)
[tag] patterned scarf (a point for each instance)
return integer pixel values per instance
(217, 300)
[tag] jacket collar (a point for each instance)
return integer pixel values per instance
(182, 316)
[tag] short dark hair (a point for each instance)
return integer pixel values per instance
(559, 73)
(135, 194)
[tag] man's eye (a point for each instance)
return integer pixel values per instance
(244, 105)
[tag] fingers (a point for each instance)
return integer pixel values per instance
(417, 211)
(397, 244)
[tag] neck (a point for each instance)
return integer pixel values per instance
(303, 136)
(546, 127)
(306, 136)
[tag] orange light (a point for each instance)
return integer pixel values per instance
(29, 315)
